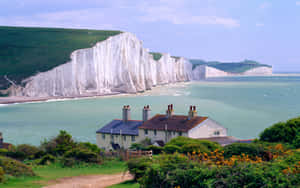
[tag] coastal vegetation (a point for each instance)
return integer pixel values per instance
(214, 169)
(287, 132)
(27, 51)
(273, 160)
(232, 67)
(55, 158)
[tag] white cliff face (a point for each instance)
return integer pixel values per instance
(260, 71)
(203, 71)
(118, 64)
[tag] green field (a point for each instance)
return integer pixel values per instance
(55, 171)
(232, 67)
(27, 51)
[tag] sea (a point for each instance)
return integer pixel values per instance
(244, 105)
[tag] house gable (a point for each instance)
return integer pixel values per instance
(206, 129)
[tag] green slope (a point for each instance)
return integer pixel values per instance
(27, 51)
(232, 67)
(156, 55)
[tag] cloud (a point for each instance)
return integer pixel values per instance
(265, 5)
(174, 12)
(298, 3)
(119, 14)
(260, 25)
(86, 18)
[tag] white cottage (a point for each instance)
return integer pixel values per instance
(160, 128)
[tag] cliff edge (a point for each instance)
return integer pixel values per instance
(118, 64)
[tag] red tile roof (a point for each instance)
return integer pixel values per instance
(177, 123)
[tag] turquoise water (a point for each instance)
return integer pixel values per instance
(243, 105)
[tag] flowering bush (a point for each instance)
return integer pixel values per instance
(213, 169)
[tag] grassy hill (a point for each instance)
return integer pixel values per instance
(27, 51)
(156, 55)
(232, 67)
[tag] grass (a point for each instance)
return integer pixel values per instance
(55, 171)
(156, 55)
(232, 67)
(27, 51)
(126, 184)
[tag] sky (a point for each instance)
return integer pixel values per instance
(267, 31)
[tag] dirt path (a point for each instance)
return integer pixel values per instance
(90, 181)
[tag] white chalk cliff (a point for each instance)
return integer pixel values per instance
(203, 72)
(119, 64)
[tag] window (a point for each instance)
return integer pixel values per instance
(180, 133)
(124, 138)
(174, 133)
(155, 133)
(112, 137)
(103, 136)
(146, 132)
(132, 138)
(217, 133)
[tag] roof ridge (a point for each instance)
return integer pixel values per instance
(129, 120)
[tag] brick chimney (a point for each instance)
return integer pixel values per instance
(192, 112)
(126, 113)
(146, 113)
(170, 111)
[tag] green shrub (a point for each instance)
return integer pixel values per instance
(181, 140)
(14, 167)
(198, 148)
(22, 152)
(59, 145)
(30, 152)
(68, 162)
(177, 171)
(244, 148)
(211, 146)
(3, 151)
(242, 175)
(155, 149)
(142, 145)
(47, 159)
(83, 155)
(283, 132)
(2, 175)
(163, 172)
(89, 146)
(137, 146)
(296, 141)
(16, 155)
(171, 149)
(138, 166)
(183, 145)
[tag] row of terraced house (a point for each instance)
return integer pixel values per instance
(161, 128)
